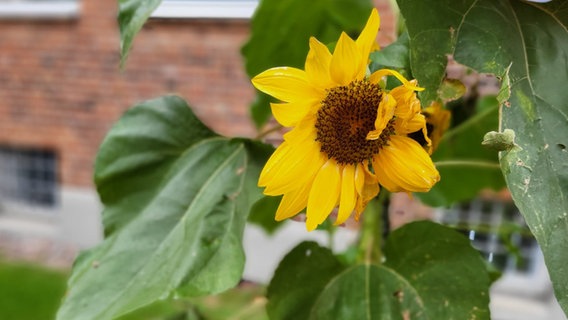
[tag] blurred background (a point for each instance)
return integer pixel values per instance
(61, 90)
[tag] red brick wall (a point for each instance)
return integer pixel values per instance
(60, 86)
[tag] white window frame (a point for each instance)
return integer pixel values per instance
(212, 9)
(43, 10)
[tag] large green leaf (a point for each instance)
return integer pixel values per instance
(280, 31)
(532, 39)
(132, 14)
(139, 152)
(431, 272)
(184, 212)
(298, 280)
(447, 273)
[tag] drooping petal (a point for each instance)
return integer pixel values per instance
(346, 63)
(416, 123)
(368, 37)
(369, 190)
(387, 183)
(403, 165)
(439, 120)
(385, 112)
(323, 195)
(286, 84)
(407, 103)
(359, 178)
(293, 202)
(289, 114)
(377, 75)
(317, 64)
(348, 196)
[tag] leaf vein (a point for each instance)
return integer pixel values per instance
(162, 244)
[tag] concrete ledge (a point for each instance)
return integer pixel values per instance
(39, 10)
(206, 9)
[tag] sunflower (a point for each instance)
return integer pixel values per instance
(348, 134)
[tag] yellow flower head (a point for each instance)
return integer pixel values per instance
(348, 134)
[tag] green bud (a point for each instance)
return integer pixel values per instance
(500, 141)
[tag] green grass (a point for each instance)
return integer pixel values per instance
(29, 292)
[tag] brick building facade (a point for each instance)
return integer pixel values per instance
(61, 87)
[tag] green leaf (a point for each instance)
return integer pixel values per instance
(185, 194)
(528, 43)
(465, 166)
(444, 269)
(263, 213)
(451, 89)
(132, 14)
(368, 292)
(393, 56)
(280, 31)
(431, 272)
(148, 139)
(299, 278)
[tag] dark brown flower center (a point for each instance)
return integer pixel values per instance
(347, 115)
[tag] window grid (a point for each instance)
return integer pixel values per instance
(28, 176)
(497, 230)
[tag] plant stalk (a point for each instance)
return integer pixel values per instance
(371, 240)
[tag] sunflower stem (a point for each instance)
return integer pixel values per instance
(468, 163)
(268, 131)
(371, 240)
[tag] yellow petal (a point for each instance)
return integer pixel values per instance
(368, 190)
(305, 129)
(298, 151)
(346, 61)
(317, 64)
(271, 166)
(348, 196)
(290, 113)
(368, 37)
(385, 112)
(384, 181)
(418, 122)
(407, 102)
(285, 84)
(293, 202)
(404, 165)
(298, 167)
(439, 119)
(377, 75)
(359, 178)
(323, 195)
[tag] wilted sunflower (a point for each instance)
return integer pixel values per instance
(437, 122)
(348, 135)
